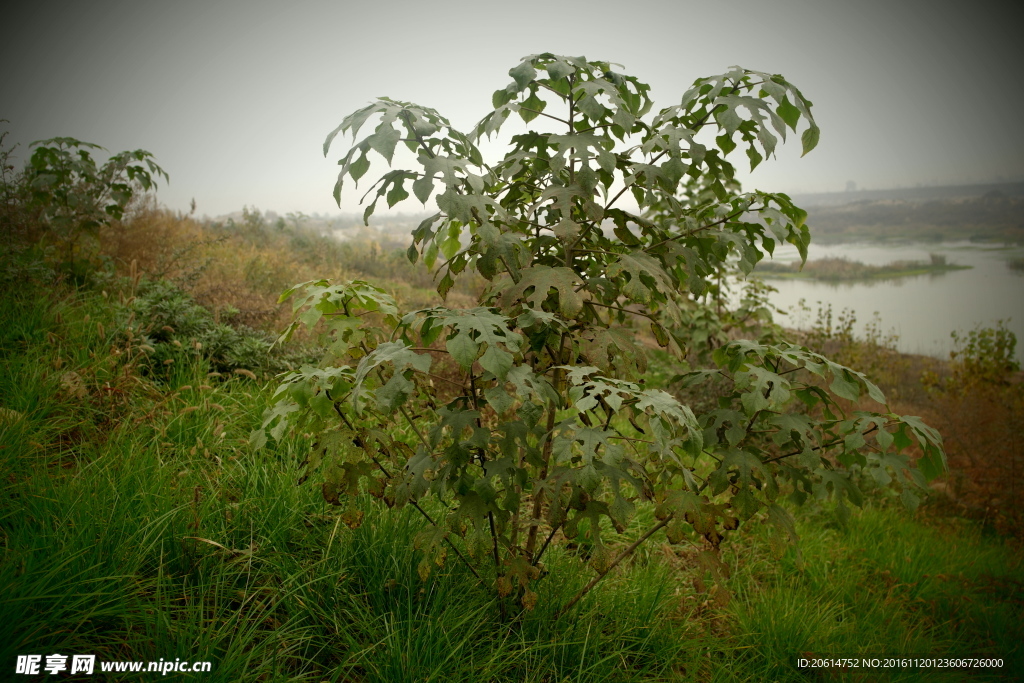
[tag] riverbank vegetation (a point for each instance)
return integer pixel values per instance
(842, 269)
(138, 523)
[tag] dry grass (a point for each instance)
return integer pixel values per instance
(981, 425)
(240, 270)
(223, 271)
(980, 422)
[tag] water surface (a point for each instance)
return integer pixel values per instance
(922, 310)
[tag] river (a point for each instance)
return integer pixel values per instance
(922, 310)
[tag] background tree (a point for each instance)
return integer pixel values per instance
(73, 197)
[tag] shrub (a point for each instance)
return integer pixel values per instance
(553, 430)
(175, 330)
(72, 197)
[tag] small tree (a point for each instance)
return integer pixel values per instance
(551, 428)
(73, 197)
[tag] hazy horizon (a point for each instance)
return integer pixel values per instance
(234, 99)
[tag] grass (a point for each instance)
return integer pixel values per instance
(137, 524)
(886, 585)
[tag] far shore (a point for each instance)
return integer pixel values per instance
(842, 269)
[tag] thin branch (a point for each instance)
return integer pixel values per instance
(447, 540)
(711, 455)
(736, 85)
(357, 315)
(598, 251)
(415, 429)
(419, 137)
(624, 554)
(704, 119)
(700, 229)
(494, 538)
(630, 438)
(600, 125)
(623, 190)
(624, 310)
(817, 448)
(387, 475)
(443, 379)
(548, 87)
(535, 111)
(547, 542)
(608, 205)
(380, 374)
(372, 188)
(609, 414)
(572, 124)
(538, 497)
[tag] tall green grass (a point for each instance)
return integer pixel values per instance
(137, 524)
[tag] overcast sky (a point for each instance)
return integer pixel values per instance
(235, 98)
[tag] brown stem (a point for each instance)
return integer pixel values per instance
(494, 539)
(538, 497)
(443, 379)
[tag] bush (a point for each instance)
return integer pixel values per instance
(552, 430)
(176, 330)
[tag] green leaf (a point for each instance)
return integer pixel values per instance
(523, 74)
(726, 144)
(558, 69)
(496, 361)
(745, 504)
(463, 349)
(422, 187)
(531, 107)
(535, 285)
(729, 120)
(445, 285)
(498, 399)
(397, 192)
(809, 139)
(659, 334)
(883, 438)
(501, 97)
(613, 350)
(843, 383)
(645, 276)
(394, 393)
(384, 140)
(754, 156)
(400, 357)
(593, 109)
(789, 113)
